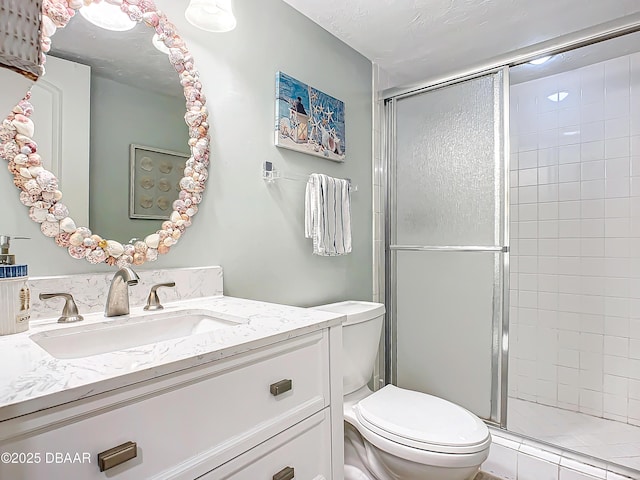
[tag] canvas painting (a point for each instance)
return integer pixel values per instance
(308, 120)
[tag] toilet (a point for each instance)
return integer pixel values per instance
(394, 433)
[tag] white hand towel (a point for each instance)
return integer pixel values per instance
(328, 215)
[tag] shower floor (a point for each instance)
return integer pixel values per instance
(606, 439)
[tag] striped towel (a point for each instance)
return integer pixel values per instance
(328, 215)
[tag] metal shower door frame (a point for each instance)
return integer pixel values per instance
(500, 325)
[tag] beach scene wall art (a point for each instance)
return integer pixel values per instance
(308, 120)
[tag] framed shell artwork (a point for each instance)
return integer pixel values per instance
(155, 181)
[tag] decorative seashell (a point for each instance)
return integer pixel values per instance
(51, 218)
(48, 27)
(135, 13)
(19, 181)
(163, 249)
(124, 261)
(111, 261)
(188, 184)
(7, 131)
(140, 246)
(57, 12)
(179, 206)
(152, 255)
(50, 229)
(166, 225)
(34, 160)
(175, 56)
(62, 239)
(38, 214)
(174, 217)
(152, 240)
(177, 233)
(37, 170)
(77, 4)
(77, 251)
(47, 181)
(32, 187)
(96, 256)
(138, 258)
(193, 119)
(60, 211)
(114, 248)
(84, 231)
(21, 158)
(45, 44)
(151, 19)
(169, 241)
(89, 242)
(129, 250)
(76, 239)
(52, 197)
(24, 172)
(147, 6)
(22, 139)
(9, 150)
(25, 105)
(191, 211)
(28, 200)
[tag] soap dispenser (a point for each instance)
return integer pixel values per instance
(15, 297)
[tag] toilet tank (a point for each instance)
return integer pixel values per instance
(360, 339)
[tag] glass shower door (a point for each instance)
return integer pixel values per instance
(447, 251)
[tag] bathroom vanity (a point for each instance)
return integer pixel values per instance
(253, 391)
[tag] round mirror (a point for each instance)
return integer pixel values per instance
(135, 141)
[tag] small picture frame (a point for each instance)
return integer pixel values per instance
(154, 182)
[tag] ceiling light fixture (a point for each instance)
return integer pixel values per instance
(107, 16)
(540, 61)
(211, 15)
(558, 96)
(159, 44)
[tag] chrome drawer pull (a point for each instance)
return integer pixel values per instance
(280, 387)
(117, 455)
(285, 474)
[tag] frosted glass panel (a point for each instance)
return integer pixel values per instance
(446, 165)
(444, 326)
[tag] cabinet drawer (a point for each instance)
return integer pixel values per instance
(303, 451)
(203, 420)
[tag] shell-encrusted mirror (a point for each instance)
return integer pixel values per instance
(38, 187)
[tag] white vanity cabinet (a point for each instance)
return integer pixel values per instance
(231, 418)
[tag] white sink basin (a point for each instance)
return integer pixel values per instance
(120, 334)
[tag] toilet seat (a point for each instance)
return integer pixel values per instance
(422, 421)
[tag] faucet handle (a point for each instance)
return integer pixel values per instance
(153, 301)
(70, 310)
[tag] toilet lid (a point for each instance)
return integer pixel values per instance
(422, 421)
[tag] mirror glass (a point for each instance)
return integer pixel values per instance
(112, 133)
(132, 96)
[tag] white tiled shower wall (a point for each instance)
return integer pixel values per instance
(575, 237)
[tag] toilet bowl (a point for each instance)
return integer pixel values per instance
(395, 433)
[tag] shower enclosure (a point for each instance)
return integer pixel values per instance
(513, 246)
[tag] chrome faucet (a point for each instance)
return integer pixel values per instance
(118, 298)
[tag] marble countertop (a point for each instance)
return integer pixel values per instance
(31, 379)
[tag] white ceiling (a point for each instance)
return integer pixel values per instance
(413, 40)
